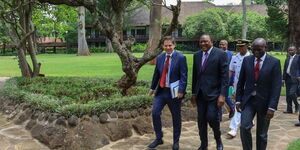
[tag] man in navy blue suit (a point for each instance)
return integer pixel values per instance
(223, 45)
(209, 88)
(170, 67)
(290, 74)
(258, 92)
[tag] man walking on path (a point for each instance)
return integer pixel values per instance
(234, 70)
(290, 74)
(171, 67)
(209, 88)
(258, 93)
(223, 45)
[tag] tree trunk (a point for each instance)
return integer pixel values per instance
(22, 34)
(155, 27)
(294, 23)
(83, 49)
(245, 27)
(109, 46)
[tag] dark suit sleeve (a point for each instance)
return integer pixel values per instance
(224, 74)
(276, 85)
(241, 83)
(284, 70)
(194, 78)
(156, 77)
(183, 75)
(298, 68)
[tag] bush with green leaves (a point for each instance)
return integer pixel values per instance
(76, 95)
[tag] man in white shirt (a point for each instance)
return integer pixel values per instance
(289, 77)
(234, 70)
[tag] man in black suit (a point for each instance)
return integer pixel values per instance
(209, 88)
(290, 75)
(258, 92)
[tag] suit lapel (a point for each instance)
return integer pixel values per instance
(173, 60)
(200, 62)
(210, 56)
(162, 62)
(252, 67)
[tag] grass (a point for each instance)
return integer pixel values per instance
(294, 145)
(104, 65)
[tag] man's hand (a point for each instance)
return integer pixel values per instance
(180, 95)
(270, 114)
(221, 101)
(193, 100)
(151, 92)
(238, 107)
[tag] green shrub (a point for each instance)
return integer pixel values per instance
(139, 47)
(75, 95)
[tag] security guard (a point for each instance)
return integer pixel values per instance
(234, 69)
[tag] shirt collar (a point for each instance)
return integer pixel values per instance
(262, 58)
(247, 54)
(170, 54)
(208, 50)
(293, 56)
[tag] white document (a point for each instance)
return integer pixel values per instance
(174, 89)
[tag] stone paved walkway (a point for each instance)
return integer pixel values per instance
(282, 131)
(15, 137)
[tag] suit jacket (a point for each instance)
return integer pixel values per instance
(213, 81)
(267, 86)
(178, 71)
(293, 69)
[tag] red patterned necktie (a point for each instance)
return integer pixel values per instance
(162, 82)
(256, 69)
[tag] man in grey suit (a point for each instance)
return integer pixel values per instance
(258, 92)
(290, 74)
(209, 88)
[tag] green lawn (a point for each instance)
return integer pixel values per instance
(104, 65)
(294, 145)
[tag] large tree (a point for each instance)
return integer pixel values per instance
(83, 49)
(294, 22)
(17, 18)
(108, 17)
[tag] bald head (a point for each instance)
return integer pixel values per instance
(260, 41)
(259, 47)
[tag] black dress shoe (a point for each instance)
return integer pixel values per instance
(287, 112)
(220, 145)
(202, 148)
(155, 143)
(175, 146)
(231, 113)
(297, 124)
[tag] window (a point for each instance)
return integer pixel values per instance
(141, 31)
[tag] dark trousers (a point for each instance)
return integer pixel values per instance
(162, 98)
(208, 113)
(247, 115)
(291, 94)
